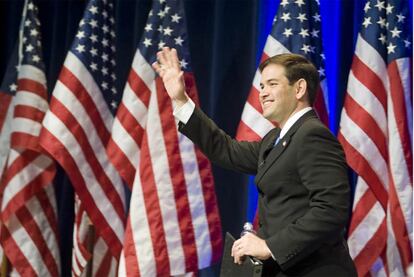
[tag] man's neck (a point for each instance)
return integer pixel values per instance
(298, 113)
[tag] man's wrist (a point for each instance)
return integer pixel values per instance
(182, 101)
(184, 112)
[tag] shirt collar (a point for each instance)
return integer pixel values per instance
(292, 119)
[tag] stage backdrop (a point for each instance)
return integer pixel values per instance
(226, 40)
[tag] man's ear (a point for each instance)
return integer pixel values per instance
(301, 88)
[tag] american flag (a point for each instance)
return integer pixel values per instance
(29, 234)
(76, 130)
(296, 29)
(173, 225)
(376, 133)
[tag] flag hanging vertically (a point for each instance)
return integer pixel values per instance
(29, 233)
(376, 133)
(173, 226)
(296, 29)
(77, 129)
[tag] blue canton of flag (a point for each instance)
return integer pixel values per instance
(94, 45)
(386, 28)
(9, 83)
(298, 27)
(165, 28)
(31, 46)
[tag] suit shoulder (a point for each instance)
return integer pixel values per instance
(313, 126)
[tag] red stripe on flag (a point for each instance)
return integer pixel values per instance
(207, 181)
(371, 251)
(364, 204)
(32, 86)
(33, 187)
(14, 253)
(28, 112)
(105, 266)
(33, 230)
(244, 132)
(25, 140)
(370, 80)
(76, 87)
(48, 210)
(365, 121)
(25, 158)
(400, 112)
(72, 124)
(5, 100)
(264, 57)
(175, 164)
(131, 125)
(61, 154)
(362, 167)
(116, 155)
(254, 101)
(153, 209)
(399, 225)
(121, 163)
(131, 257)
(139, 87)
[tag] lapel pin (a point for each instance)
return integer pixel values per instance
(284, 143)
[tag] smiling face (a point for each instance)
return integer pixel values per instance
(278, 98)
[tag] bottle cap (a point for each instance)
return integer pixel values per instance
(248, 226)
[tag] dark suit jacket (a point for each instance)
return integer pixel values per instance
(303, 192)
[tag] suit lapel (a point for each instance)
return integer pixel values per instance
(282, 145)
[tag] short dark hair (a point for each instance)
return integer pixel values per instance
(296, 67)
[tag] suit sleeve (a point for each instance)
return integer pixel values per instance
(219, 147)
(323, 171)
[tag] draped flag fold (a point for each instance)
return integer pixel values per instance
(173, 225)
(29, 232)
(376, 133)
(76, 131)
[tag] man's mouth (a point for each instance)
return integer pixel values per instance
(266, 102)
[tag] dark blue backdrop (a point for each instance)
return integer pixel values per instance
(226, 41)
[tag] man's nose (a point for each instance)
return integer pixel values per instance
(263, 92)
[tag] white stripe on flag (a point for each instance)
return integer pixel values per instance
(71, 145)
(369, 102)
(163, 183)
(357, 137)
(370, 57)
(367, 227)
(83, 75)
(31, 72)
(274, 47)
(196, 200)
(67, 99)
(141, 232)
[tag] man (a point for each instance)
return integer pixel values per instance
(301, 173)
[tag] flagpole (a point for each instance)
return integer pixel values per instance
(90, 246)
(4, 266)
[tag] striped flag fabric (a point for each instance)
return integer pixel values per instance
(296, 29)
(29, 232)
(76, 130)
(376, 133)
(99, 261)
(173, 225)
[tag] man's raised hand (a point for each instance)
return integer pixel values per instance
(168, 68)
